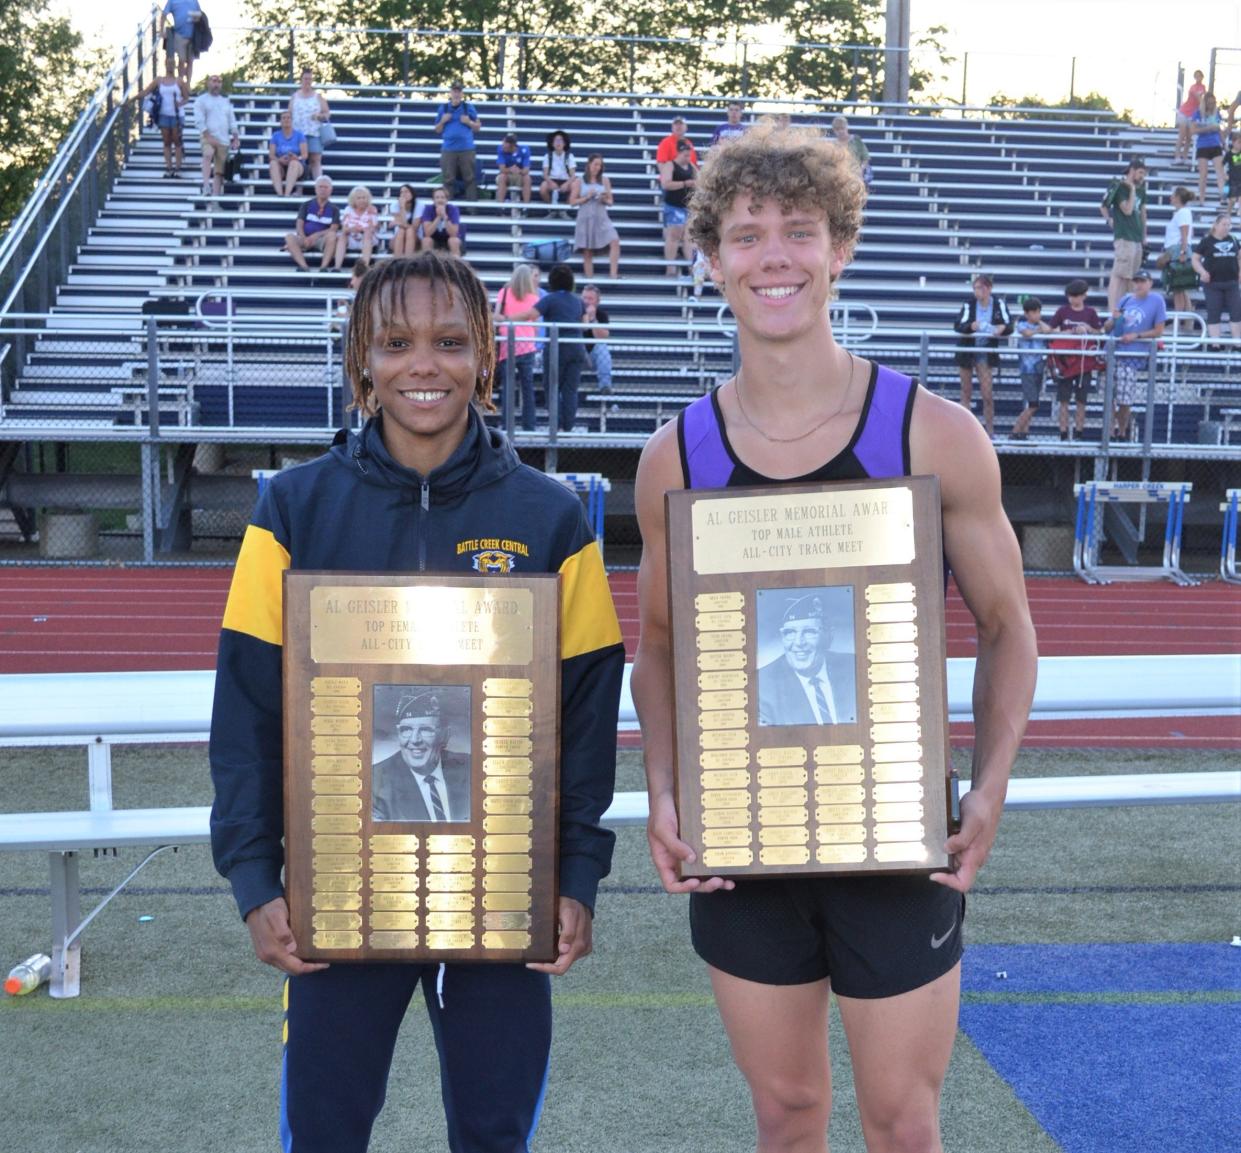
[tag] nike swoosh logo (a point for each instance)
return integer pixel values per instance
(937, 941)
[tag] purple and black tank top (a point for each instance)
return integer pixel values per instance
(878, 449)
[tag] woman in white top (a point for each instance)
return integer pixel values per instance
(358, 225)
(559, 169)
(1178, 243)
(404, 222)
(310, 110)
(173, 94)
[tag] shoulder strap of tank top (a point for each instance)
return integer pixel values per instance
(882, 446)
(705, 462)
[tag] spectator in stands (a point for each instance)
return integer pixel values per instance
(559, 168)
(1184, 115)
(1073, 362)
(169, 95)
(983, 319)
(512, 166)
(286, 156)
(855, 146)
(1209, 146)
(310, 112)
(440, 226)
(563, 306)
(318, 223)
(596, 336)
(456, 120)
(1233, 161)
(1217, 260)
(731, 127)
(1032, 363)
(358, 225)
(666, 152)
(182, 15)
(677, 178)
(1124, 208)
(217, 126)
(1232, 111)
(1178, 240)
(591, 195)
(1139, 318)
(518, 296)
(404, 226)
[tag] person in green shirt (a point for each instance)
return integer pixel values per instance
(1124, 208)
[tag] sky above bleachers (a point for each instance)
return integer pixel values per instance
(1128, 50)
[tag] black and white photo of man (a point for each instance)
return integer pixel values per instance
(422, 780)
(809, 683)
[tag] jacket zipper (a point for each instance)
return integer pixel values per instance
(422, 526)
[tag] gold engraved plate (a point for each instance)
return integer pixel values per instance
(724, 739)
(394, 862)
(393, 843)
(904, 731)
(887, 714)
(507, 863)
(507, 746)
(507, 902)
(725, 779)
(784, 855)
(726, 858)
(724, 759)
(336, 686)
(726, 838)
(891, 654)
(450, 940)
(338, 940)
(394, 920)
(725, 818)
(510, 786)
(902, 851)
(900, 831)
(784, 835)
(786, 815)
(507, 707)
(507, 687)
(718, 622)
(336, 863)
(838, 774)
(506, 940)
(725, 719)
(729, 700)
(506, 843)
(770, 797)
(390, 940)
(348, 745)
(450, 863)
(509, 805)
(395, 902)
(903, 631)
(898, 771)
(507, 883)
(897, 751)
(896, 591)
(890, 613)
(718, 602)
(839, 794)
(337, 883)
(714, 662)
(392, 883)
(838, 754)
(330, 921)
(336, 726)
(882, 674)
(335, 784)
(334, 902)
(720, 642)
(840, 834)
(840, 854)
(336, 804)
(724, 798)
(506, 921)
(451, 883)
(508, 726)
(508, 766)
(337, 764)
(335, 843)
(335, 706)
(336, 824)
(902, 792)
(716, 682)
(783, 777)
(787, 755)
(507, 824)
(882, 694)
(450, 921)
(441, 843)
(840, 814)
(897, 811)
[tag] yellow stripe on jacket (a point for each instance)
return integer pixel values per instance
(587, 615)
(256, 596)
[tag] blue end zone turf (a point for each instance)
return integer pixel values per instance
(1116, 1075)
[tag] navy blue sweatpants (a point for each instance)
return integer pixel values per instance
(493, 1034)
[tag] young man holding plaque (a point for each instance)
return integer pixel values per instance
(778, 212)
(423, 486)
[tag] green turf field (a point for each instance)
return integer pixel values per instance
(175, 1042)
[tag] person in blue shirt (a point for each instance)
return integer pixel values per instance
(1032, 365)
(512, 163)
(457, 121)
(286, 156)
(1138, 319)
(563, 306)
(181, 14)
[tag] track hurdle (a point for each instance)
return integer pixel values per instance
(1094, 496)
(595, 486)
(1228, 541)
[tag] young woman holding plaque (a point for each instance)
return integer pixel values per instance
(778, 212)
(423, 486)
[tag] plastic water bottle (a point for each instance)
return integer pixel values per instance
(29, 975)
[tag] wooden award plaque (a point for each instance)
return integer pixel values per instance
(810, 680)
(421, 766)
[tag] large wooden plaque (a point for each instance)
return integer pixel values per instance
(810, 680)
(386, 677)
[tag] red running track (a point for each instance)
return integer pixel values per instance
(119, 619)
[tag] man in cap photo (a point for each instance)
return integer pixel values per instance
(808, 684)
(421, 781)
